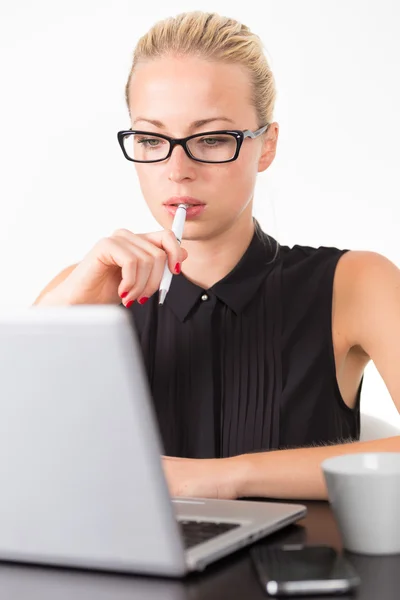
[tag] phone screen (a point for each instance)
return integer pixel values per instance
(301, 569)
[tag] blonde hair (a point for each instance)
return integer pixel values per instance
(212, 37)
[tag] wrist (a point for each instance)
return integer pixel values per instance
(240, 474)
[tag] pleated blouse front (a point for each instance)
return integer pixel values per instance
(248, 364)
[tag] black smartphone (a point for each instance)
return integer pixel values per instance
(297, 570)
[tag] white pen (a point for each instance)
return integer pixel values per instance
(177, 228)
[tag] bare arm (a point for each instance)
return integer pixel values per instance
(55, 282)
(295, 474)
(124, 265)
(290, 474)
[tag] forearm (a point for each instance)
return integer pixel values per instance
(296, 474)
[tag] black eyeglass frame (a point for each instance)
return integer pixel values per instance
(239, 136)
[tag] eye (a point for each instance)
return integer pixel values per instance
(212, 141)
(152, 142)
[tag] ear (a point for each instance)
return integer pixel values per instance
(269, 147)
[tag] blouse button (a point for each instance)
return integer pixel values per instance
(204, 297)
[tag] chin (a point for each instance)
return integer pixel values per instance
(197, 231)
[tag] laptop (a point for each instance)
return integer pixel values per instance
(81, 477)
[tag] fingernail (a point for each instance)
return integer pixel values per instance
(124, 295)
(143, 300)
(177, 268)
(128, 304)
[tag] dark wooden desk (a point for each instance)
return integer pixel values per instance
(231, 578)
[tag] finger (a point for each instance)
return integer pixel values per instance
(144, 264)
(167, 241)
(148, 282)
(160, 241)
(157, 272)
(135, 264)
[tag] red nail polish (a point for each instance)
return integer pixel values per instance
(124, 294)
(143, 300)
(177, 268)
(128, 304)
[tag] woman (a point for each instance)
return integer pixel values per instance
(256, 359)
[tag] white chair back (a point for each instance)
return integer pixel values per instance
(373, 428)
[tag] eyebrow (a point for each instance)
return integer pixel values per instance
(194, 125)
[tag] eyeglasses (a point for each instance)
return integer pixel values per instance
(208, 147)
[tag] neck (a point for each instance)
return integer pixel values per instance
(211, 260)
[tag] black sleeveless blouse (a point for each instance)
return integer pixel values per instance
(248, 365)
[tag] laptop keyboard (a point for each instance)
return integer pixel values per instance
(196, 532)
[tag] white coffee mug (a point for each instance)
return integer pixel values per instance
(364, 493)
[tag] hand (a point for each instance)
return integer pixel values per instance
(203, 478)
(124, 264)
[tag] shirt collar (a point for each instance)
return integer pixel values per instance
(237, 288)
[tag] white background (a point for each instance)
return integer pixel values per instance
(64, 183)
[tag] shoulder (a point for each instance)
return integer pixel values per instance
(366, 285)
(362, 261)
(353, 268)
(362, 271)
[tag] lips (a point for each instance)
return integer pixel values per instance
(194, 208)
(175, 201)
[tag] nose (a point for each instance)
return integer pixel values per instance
(180, 166)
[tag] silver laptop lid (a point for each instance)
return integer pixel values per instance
(80, 471)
